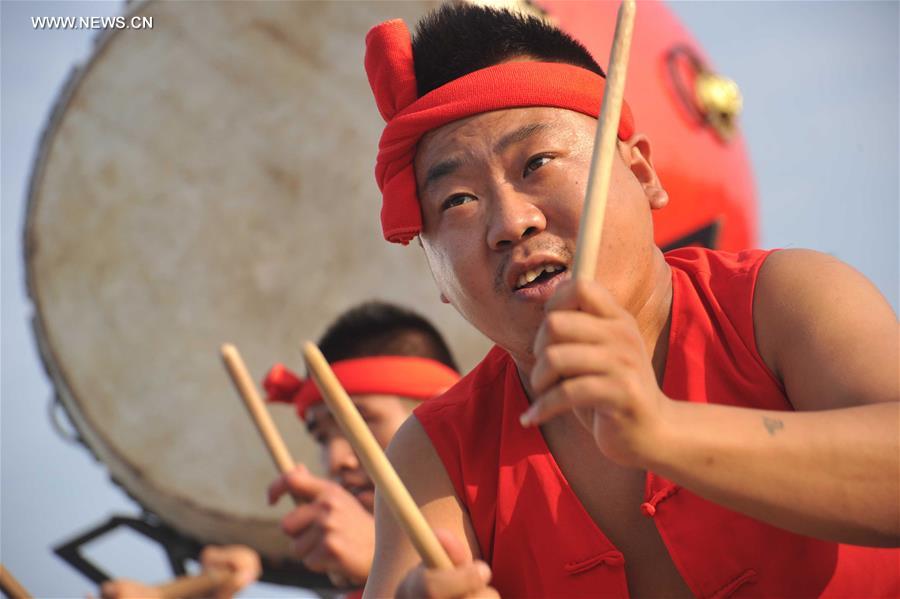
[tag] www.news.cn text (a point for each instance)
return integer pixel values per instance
(120, 22)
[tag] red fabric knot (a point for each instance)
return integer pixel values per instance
(746, 577)
(404, 376)
(391, 73)
(390, 68)
(648, 508)
(281, 384)
(610, 558)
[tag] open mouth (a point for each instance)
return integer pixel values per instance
(539, 275)
(358, 490)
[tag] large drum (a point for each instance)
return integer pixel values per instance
(210, 180)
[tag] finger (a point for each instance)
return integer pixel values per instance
(463, 581)
(458, 552)
(570, 326)
(246, 565)
(338, 579)
(302, 484)
(127, 589)
(321, 559)
(241, 561)
(213, 556)
(588, 296)
(486, 593)
(568, 394)
(307, 541)
(299, 519)
(280, 485)
(568, 361)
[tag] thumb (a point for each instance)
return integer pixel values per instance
(457, 551)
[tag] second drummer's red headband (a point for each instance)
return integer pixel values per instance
(389, 65)
(405, 376)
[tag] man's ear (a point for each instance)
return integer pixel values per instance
(636, 154)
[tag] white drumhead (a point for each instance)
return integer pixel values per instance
(210, 180)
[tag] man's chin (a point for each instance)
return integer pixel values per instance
(521, 326)
(366, 499)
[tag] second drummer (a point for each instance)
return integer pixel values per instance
(388, 359)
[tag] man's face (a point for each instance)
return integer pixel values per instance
(501, 196)
(383, 414)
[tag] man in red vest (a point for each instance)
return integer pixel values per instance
(698, 423)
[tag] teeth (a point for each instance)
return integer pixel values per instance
(531, 275)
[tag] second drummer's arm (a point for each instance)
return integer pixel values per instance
(832, 468)
(422, 471)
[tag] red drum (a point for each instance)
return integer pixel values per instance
(703, 165)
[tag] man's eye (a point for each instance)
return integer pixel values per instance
(536, 163)
(457, 200)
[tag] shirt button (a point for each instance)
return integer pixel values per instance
(648, 509)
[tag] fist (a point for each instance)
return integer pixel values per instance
(330, 530)
(591, 358)
(128, 589)
(240, 561)
(468, 579)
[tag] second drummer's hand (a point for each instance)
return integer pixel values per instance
(468, 579)
(331, 531)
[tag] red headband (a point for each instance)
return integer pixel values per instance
(389, 65)
(406, 376)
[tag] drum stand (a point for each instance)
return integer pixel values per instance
(179, 550)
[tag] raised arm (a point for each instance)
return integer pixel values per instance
(396, 570)
(831, 469)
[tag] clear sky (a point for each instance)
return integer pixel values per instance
(820, 85)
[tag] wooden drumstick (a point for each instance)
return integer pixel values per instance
(264, 424)
(195, 587)
(11, 587)
(258, 412)
(375, 462)
(594, 211)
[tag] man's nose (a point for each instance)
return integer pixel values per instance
(340, 456)
(514, 216)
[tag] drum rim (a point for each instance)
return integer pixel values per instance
(90, 435)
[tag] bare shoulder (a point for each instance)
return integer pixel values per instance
(422, 472)
(408, 441)
(825, 330)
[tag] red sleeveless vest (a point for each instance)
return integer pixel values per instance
(538, 538)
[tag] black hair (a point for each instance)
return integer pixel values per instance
(381, 329)
(458, 38)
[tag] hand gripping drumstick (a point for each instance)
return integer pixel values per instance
(264, 424)
(191, 587)
(11, 587)
(591, 228)
(375, 462)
